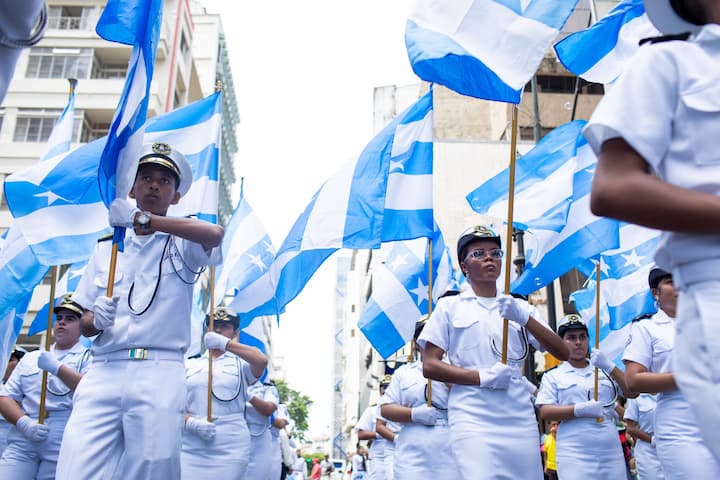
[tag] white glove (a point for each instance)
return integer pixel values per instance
(215, 341)
(122, 213)
(48, 362)
(200, 427)
(32, 430)
(589, 409)
(104, 311)
(599, 360)
(395, 438)
(652, 441)
(514, 309)
(496, 377)
(424, 414)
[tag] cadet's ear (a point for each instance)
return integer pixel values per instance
(176, 198)
(132, 192)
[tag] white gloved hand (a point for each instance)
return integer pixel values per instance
(589, 409)
(496, 377)
(514, 309)
(215, 341)
(652, 441)
(200, 427)
(396, 437)
(104, 311)
(48, 362)
(32, 430)
(599, 360)
(424, 414)
(122, 213)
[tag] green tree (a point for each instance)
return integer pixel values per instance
(297, 405)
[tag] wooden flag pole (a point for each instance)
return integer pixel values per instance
(48, 336)
(508, 238)
(597, 331)
(211, 323)
(430, 307)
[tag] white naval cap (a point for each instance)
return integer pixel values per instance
(160, 153)
(671, 16)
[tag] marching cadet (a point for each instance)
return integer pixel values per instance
(366, 428)
(648, 366)
(639, 417)
(586, 446)
(655, 135)
(32, 449)
(493, 430)
(263, 403)
(130, 407)
(389, 432)
(221, 448)
(423, 450)
(5, 426)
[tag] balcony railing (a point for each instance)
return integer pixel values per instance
(68, 23)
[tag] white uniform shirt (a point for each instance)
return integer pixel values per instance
(368, 423)
(642, 411)
(257, 422)
(567, 385)
(651, 342)
(24, 384)
(666, 106)
(166, 323)
(409, 388)
(231, 377)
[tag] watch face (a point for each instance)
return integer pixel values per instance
(143, 219)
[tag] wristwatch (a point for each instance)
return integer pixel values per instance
(143, 220)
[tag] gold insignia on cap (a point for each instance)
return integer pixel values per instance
(67, 303)
(386, 380)
(161, 148)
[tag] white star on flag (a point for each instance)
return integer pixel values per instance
(396, 166)
(397, 262)
(257, 261)
(51, 197)
(421, 291)
(633, 259)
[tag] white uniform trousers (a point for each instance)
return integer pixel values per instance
(275, 469)
(696, 358)
(24, 459)
(5, 427)
(648, 463)
(224, 457)
(127, 421)
(260, 456)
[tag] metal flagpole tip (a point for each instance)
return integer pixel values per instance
(673, 16)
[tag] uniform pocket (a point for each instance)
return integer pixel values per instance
(700, 107)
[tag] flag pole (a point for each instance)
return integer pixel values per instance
(511, 202)
(48, 335)
(430, 308)
(597, 330)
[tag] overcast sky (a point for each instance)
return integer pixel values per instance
(304, 75)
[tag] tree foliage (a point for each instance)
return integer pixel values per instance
(297, 405)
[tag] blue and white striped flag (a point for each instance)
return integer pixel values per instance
(400, 292)
(543, 183)
(550, 253)
(599, 54)
(136, 23)
(67, 284)
(349, 210)
(483, 48)
(62, 133)
(57, 203)
(247, 255)
(252, 332)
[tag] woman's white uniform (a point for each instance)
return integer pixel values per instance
(388, 449)
(276, 452)
(358, 467)
(376, 452)
(494, 433)
(642, 411)
(680, 447)
(260, 464)
(666, 106)
(226, 455)
(585, 448)
(421, 451)
(22, 458)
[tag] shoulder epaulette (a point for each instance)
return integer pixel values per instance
(105, 238)
(550, 369)
(666, 38)
(642, 317)
(195, 356)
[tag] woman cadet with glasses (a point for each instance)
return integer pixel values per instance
(493, 429)
(648, 367)
(422, 449)
(220, 448)
(587, 438)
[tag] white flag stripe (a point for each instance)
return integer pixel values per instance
(638, 237)
(409, 192)
(86, 218)
(137, 90)
(615, 291)
(14, 244)
(250, 231)
(203, 191)
(188, 140)
(257, 293)
(393, 299)
(408, 134)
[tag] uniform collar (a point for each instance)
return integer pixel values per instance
(708, 33)
(77, 348)
(567, 367)
(661, 317)
(470, 293)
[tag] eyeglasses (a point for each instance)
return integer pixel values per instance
(479, 254)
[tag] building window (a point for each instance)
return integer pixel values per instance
(69, 18)
(59, 63)
(184, 48)
(92, 130)
(564, 84)
(103, 71)
(36, 124)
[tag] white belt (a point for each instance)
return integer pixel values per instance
(139, 354)
(696, 272)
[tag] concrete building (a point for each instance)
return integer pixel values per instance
(191, 58)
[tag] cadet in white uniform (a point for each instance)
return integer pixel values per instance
(366, 429)
(264, 401)
(423, 449)
(648, 366)
(32, 449)
(656, 132)
(5, 426)
(278, 421)
(389, 431)
(493, 429)
(639, 417)
(130, 407)
(221, 448)
(586, 447)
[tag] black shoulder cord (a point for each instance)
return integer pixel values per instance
(239, 385)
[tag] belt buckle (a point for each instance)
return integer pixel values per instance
(137, 353)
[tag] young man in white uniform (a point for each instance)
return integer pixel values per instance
(32, 449)
(639, 417)
(130, 406)
(263, 403)
(656, 136)
(366, 428)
